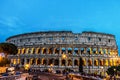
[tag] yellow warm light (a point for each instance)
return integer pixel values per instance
(51, 65)
(64, 56)
(14, 62)
(90, 50)
(0, 58)
(27, 66)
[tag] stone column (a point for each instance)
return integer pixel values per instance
(73, 62)
(60, 62)
(47, 50)
(85, 50)
(79, 52)
(36, 61)
(72, 51)
(41, 51)
(66, 62)
(60, 50)
(66, 50)
(53, 52)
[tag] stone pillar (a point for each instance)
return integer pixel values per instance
(72, 51)
(66, 50)
(60, 62)
(53, 52)
(31, 61)
(47, 50)
(84, 50)
(41, 51)
(60, 50)
(36, 61)
(66, 62)
(73, 62)
(79, 52)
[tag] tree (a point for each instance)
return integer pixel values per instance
(112, 70)
(8, 48)
(4, 61)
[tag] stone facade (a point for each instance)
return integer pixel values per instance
(63, 49)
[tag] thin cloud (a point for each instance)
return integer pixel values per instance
(11, 22)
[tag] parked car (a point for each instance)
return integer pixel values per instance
(5, 74)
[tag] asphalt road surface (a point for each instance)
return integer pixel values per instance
(48, 76)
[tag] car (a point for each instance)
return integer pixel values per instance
(18, 73)
(5, 74)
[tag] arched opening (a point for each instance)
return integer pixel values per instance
(63, 62)
(22, 61)
(44, 50)
(28, 61)
(76, 50)
(44, 62)
(100, 51)
(101, 62)
(23, 51)
(38, 62)
(56, 63)
(96, 62)
(89, 62)
(69, 50)
(75, 62)
(69, 62)
(95, 51)
(39, 50)
(82, 50)
(32, 61)
(50, 61)
(50, 51)
(89, 51)
(56, 50)
(27, 50)
(33, 51)
(84, 62)
(19, 51)
(63, 50)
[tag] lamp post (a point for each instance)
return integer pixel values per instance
(114, 73)
(51, 67)
(101, 71)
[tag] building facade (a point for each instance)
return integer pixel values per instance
(62, 49)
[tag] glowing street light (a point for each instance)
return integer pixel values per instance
(64, 56)
(27, 66)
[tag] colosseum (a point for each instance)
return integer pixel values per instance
(58, 50)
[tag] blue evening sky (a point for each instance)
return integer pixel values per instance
(21, 16)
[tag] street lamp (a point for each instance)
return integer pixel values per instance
(64, 56)
(27, 66)
(114, 73)
(51, 67)
(101, 71)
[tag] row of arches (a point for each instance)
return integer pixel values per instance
(66, 62)
(67, 50)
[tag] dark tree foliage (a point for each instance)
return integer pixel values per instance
(80, 65)
(8, 48)
(112, 70)
(4, 62)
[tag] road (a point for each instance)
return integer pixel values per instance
(48, 76)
